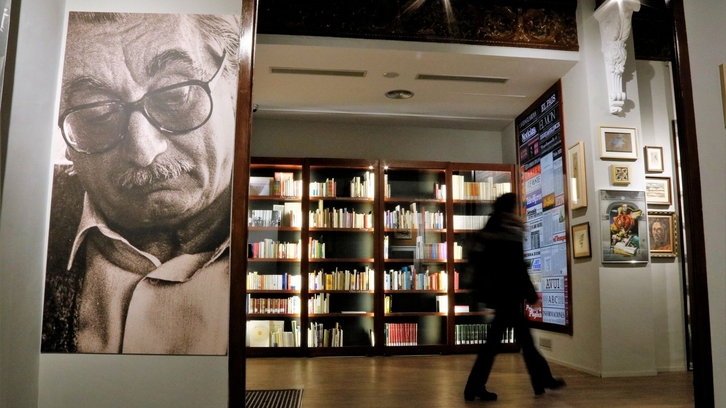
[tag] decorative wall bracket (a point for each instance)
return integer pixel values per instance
(615, 17)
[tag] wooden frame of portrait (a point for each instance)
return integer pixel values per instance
(619, 143)
(668, 249)
(577, 176)
(619, 174)
(654, 159)
(581, 246)
(658, 190)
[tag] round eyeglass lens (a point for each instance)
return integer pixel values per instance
(95, 128)
(179, 109)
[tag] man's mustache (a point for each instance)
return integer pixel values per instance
(160, 170)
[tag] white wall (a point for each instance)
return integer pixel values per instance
(303, 138)
(707, 49)
(28, 379)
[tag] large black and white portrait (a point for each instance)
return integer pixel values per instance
(138, 250)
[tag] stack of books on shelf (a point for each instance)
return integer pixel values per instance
(327, 188)
(470, 222)
(341, 280)
(319, 336)
(319, 303)
(401, 334)
(408, 278)
(290, 305)
(429, 251)
(340, 218)
(478, 190)
(269, 248)
(364, 188)
(285, 185)
(271, 333)
(316, 249)
(405, 219)
(285, 281)
(265, 218)
(440, 191)
(442, 304)
(471, 333)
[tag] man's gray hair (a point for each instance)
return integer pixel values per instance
(221, 29)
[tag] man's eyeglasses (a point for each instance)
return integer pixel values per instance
(175, 109)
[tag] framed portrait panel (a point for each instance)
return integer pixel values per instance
(663, 231)
(623, 227)
(619, 174)
(619, 143)
(576, 175)
(658, 190)
(581, 247)
(654, 159)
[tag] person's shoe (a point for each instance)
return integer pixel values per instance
(555, 383)
(483, 395)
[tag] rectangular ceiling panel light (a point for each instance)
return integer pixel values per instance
(462, 78)
(324, 72)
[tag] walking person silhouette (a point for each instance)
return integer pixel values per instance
(496, 258)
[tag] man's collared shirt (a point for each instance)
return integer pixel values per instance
(131, 302)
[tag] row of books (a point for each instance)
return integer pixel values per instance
(269, 248)
(471, 333)
(401, 334)
(316, 249)
(271, 333)
(477, 190)
(327, 188)
(342, 280)
(440, 191)
(285, 281)
(470, 222)
(281, 215)
(291, 305)
(340, 218)
(365, 187)
(319, 336)
(430, 251)
(407, 278)
(319, 303)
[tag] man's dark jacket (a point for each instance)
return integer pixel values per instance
(496, 260)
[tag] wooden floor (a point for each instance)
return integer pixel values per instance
(438, 381)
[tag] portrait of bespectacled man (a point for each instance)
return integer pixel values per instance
(139, 233)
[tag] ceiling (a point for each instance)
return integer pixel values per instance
(498, 82)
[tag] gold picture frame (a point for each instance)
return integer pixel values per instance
(619, 143)
(581, 247)
(577, 176)
(663, 230)
(619, 174)
(658, 190)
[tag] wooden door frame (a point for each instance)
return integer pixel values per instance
(695, 253)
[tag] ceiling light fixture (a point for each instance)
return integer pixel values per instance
(399, 94)
(390, 74)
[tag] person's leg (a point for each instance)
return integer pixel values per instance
(476, 384)
(539, 370)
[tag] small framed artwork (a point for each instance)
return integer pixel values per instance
(654, 159)
(620, 143)
(620, 174)
(576, 175)
(658, 190)
(663, 231)
(581, 247)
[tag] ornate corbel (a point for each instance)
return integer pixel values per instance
(615, 17)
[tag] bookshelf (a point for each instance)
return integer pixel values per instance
(360, 257)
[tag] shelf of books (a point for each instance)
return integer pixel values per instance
(274, 255)
(354, 257)
(474, 189)
(415, 252)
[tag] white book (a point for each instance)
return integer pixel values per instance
(259, 333)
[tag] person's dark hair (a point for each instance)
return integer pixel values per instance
(506, 203)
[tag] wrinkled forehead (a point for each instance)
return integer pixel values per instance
(98, 40)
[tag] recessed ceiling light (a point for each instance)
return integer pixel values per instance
(399, 94)
(390, 74)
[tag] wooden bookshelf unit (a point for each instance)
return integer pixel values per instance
(363, 257)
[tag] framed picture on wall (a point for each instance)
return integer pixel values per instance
(576, 175)
(620, 143)
(623, 227)
(658, 190)
(620, 174)
(663, 231)
(654, 159)
(581, 247)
